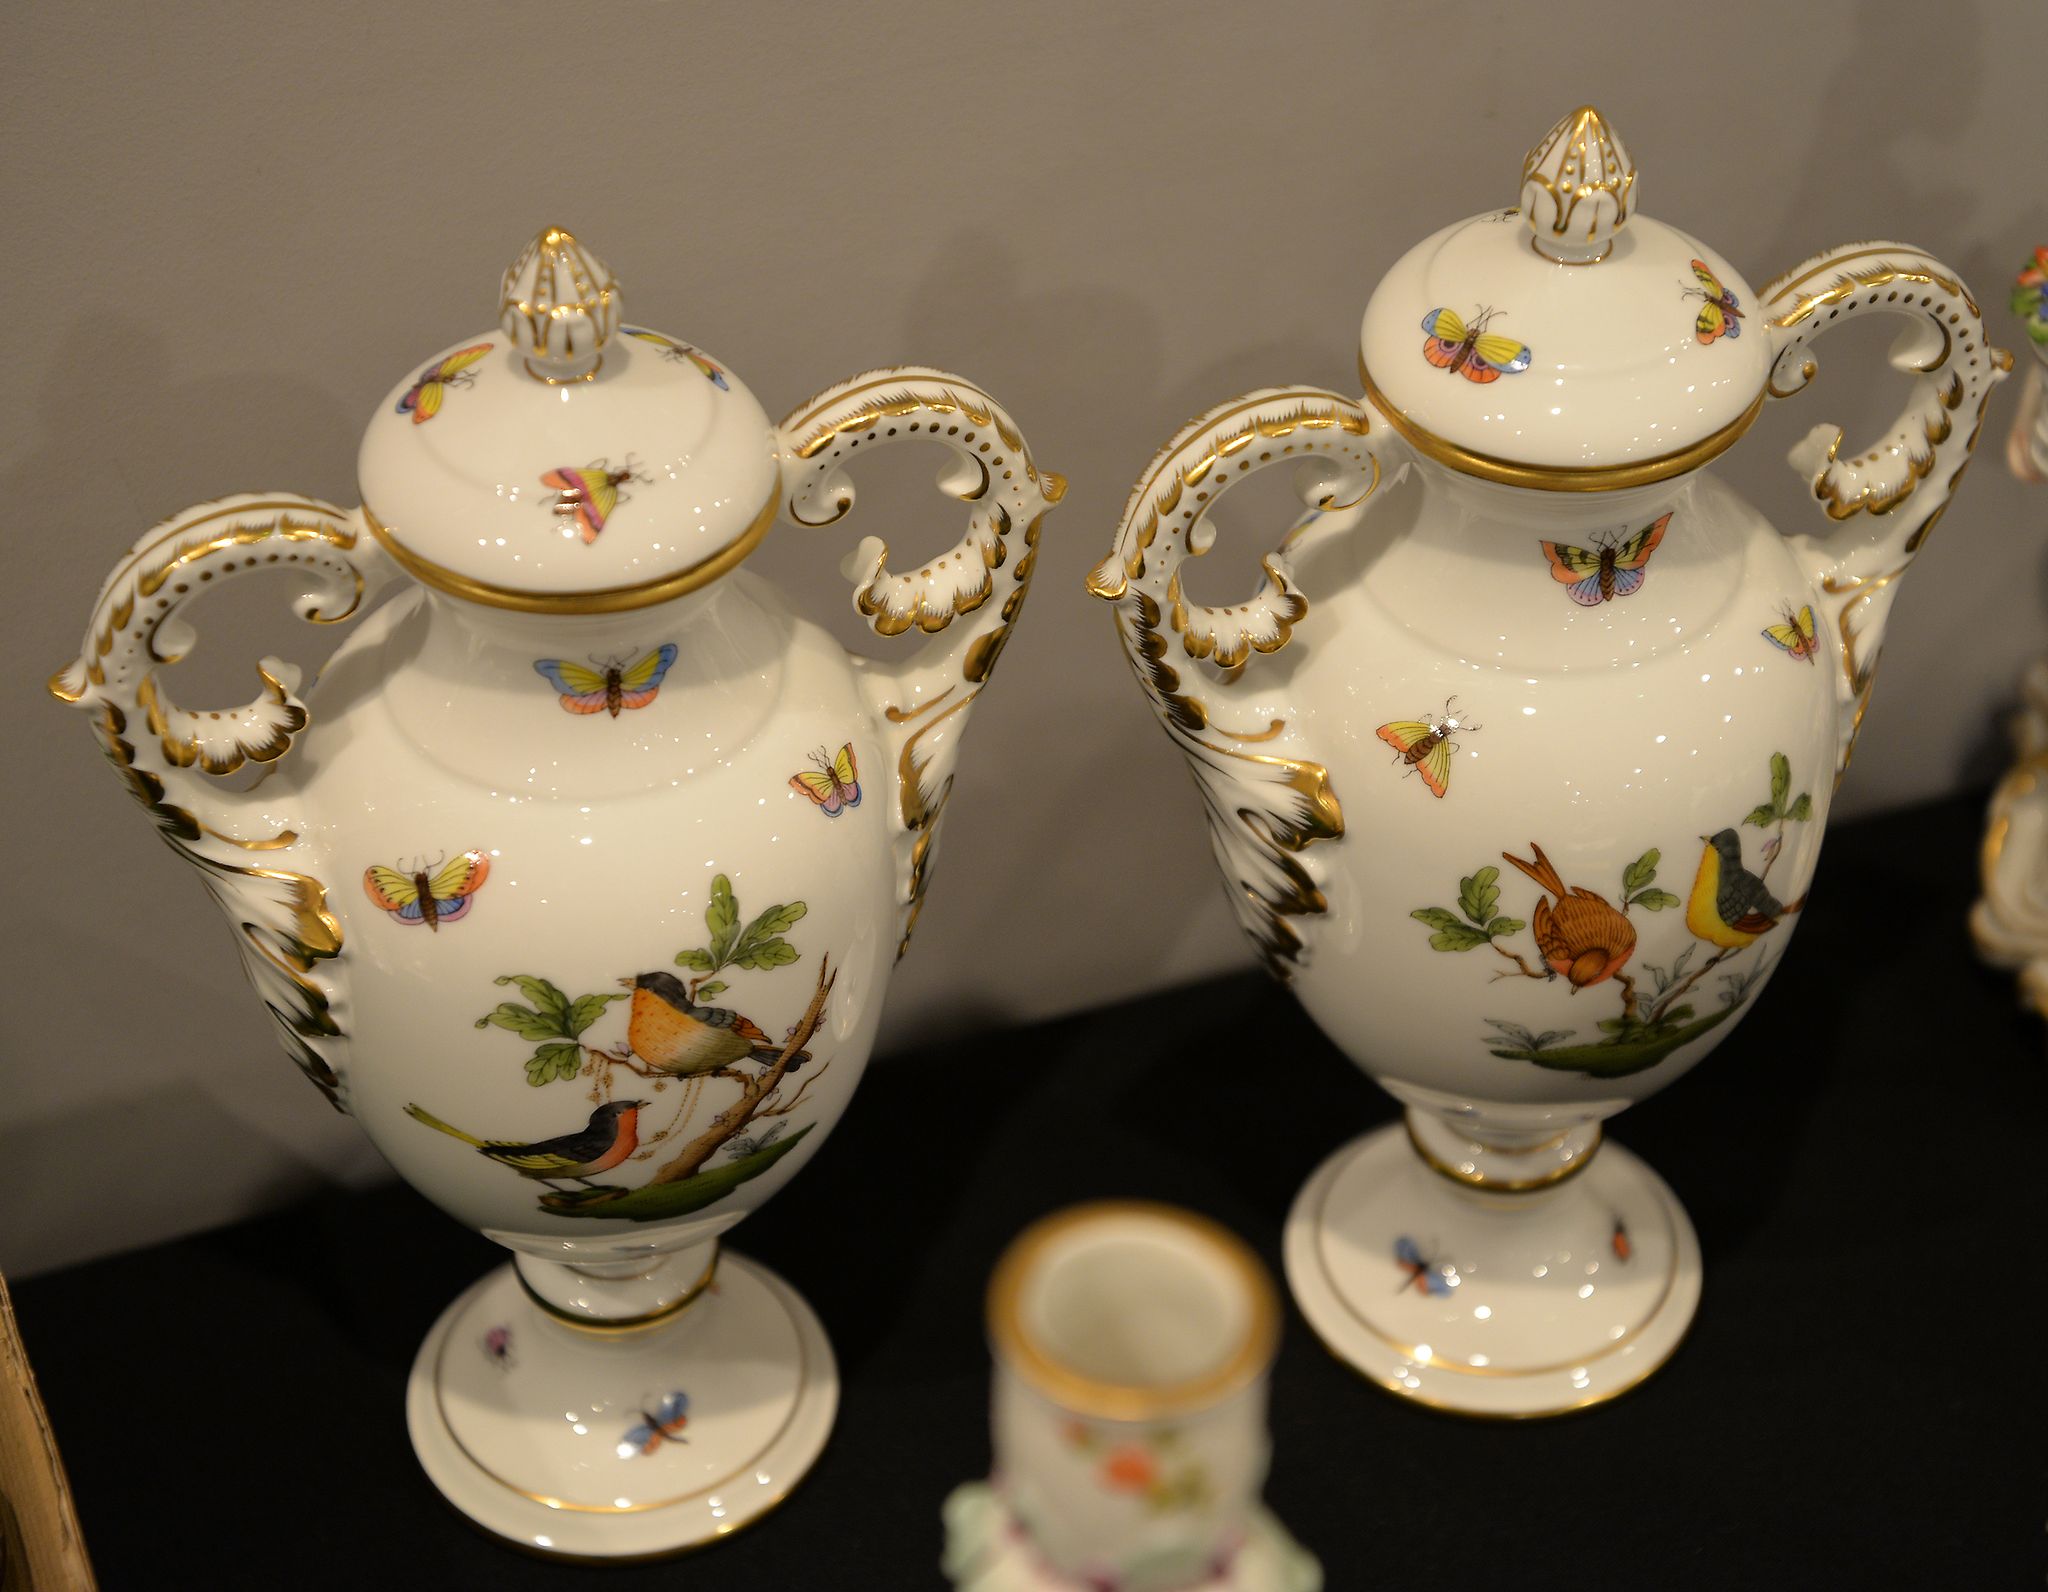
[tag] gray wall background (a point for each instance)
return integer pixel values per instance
(231, 226)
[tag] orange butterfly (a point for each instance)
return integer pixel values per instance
(589, 494)
(1471, 351)
(435, 898)
(1718, 316)
(422, 399)
(1608, 569)
(1426, 746)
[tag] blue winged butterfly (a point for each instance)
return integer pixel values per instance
(662, 1424)
(611, 686)
(433, 898)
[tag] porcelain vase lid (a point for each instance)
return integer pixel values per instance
(568, 460)
(1568, 339)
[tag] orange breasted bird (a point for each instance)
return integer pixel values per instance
(672, 1033)
(1730, 906)
(612, 1134)
(1580, 934)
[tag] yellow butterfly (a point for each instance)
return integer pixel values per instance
(833, 784)
(422, 399)
(1796, 635)
(432, 899)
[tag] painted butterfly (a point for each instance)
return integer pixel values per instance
(588, 495)
(1471, 351)
(1424, 1276)
(1624, 1251)
(664, 1423)
(610, 687)
(833, 784)
(422, 399)
(1425, 745)
(430, 898)
(1797, 634)
(679, 352)
(1598, 574)
(498, 1347)
(1718, 315)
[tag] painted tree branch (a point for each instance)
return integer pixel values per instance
(754, 1091)
(1657, 1012)
(1526, 970)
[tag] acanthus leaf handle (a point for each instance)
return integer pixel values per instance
(963, 603)
(169, 756)
(1884, 500)
(1268, 799)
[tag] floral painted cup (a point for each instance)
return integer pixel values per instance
(1132, 1345)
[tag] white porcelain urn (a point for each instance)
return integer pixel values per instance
(583, 878)
(1517, 760)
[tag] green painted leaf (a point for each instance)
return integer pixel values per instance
(587, 1010)
(1762, 816)
(699, 960)
(1781, 779)
(1478, 895)
(525, 1023)
(1677, 1014)
(1617, 1058)
(721, 919)
(1654, 900)
(1436, 917)
(1640, 872)
(547, 1000)
(717, 986)
(1801, 810)
(655, 1202)
(771, 953)
(550, 1062)
(1500, 926)
(776, 920)
(1458, 938)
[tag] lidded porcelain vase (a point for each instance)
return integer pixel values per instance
(578, 879)
(1517, 760)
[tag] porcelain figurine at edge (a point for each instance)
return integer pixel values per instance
(1517, 761)
(585, 873)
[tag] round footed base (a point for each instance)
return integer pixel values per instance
(586, 1444)
(988, 1551)
(1504, 1305)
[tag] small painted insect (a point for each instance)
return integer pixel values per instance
(588, 495)
(1608, 569)
(1624, 1251)
(746, 1144)
(663, 1424)
(498, 1348)
(610, 687)
(680, 353)
(1718, 316)
(1424, 1276)
(1796, 635)
(834, 784)
(422, 400)
(1425, 745)
(1471, 350)
(433, 896)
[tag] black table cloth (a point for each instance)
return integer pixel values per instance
(1860, 1401)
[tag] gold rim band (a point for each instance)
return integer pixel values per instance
(1081, 1394)
(1557, 478)
(623, 1324)
(603, 600)
(1491, 1185)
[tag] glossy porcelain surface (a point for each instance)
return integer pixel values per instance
(583, 878)
(1518, 760)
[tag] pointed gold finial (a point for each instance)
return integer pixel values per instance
(1578, 186)
(559, 303)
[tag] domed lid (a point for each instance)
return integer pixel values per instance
(566, 462)
(1569, 342)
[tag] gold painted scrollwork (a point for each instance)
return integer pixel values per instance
(980, 584)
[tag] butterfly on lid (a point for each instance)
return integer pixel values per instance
(1425, 745)
(498, 1347)
(834, 784)
(1608, 569)
(588, 495)
(1797, 634)
(1718, 316)
(680, 353)
(1424, 1276)
(422, 399)
(1471, 350)
(610, 687)
(430, 897)
(1624, 1251)
(663, 1423)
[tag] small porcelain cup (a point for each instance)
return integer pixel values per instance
(1132, 1345)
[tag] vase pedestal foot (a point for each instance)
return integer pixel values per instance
(1492, 1304)
(586, 1443)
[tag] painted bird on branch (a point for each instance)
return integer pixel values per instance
(1730, 906)
(612, 1134)
(1579, 934)
(673, 1034)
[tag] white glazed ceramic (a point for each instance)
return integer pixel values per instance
(1528, 710)
(2010, 919)
(1132, 1346)
(673, 835)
